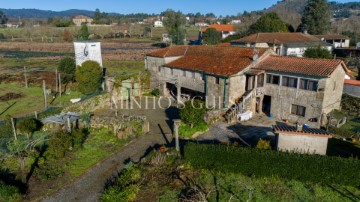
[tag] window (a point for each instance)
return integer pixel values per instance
(193, 75)
(217, 80)
(184, 73)
(172, 71)
(260, 80)
(159, 69)
(289, 81)
(307, 84)
(273, 79)
(298, 110)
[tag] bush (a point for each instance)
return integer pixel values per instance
(267, 163)
(125, 187)
(6, 130)
(318, 52)
(155, 92)
(59, 144)
(193, 112)
(67, 68)
(89, 77)
(51, 111)
(9, 193)
(29, 125)
(263, 144)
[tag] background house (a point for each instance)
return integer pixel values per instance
(80, 19)
(284, 44)
(338, 41)
(158, 24)
(226, 30)
(201, 24)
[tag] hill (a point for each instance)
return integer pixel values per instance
(36, 13)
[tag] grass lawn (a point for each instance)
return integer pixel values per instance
(31, 101)
(187, 132)
(98, 146)
(117, 67)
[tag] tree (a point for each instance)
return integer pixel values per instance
(316, 18)
(29, 126)
(68, 37)
(175, 24)
(317, 52)
(88, 77)
(85, 32)
(193, 112)
(354, 63)
(3, 18)
(6, 128)
(269, 22)
(211, 36)
(67, 68)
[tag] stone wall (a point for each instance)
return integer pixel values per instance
(333, 91)
(302, 144)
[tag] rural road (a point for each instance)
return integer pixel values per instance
(90, 185)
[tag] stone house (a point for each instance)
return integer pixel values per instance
(284, 44)
(243, 79)
(80, 19)
(226, 30)
(338, 41)
(301, 140)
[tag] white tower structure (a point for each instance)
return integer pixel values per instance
(87, 50)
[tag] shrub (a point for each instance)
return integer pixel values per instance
(267, 163)
(318, 52)
(78, 137)
(67, 67)
(193, 112)
(89, 77)
(50, 112)
(263, 144)
(6, 130)
(59, 144)
(9, 193)
(188, 132)
(29, 126)
(155, 92)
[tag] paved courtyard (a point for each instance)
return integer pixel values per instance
(247, 133)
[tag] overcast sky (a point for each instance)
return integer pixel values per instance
(224, 7)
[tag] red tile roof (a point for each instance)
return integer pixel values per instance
(218, 60)
(278, 38)
(220, 28)
(332, 37)
(171, 51)
(307, 66)
(291, 130)
(352, 82)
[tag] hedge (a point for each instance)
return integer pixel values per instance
(267, 163)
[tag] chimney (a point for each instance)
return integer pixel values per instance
(299, 127)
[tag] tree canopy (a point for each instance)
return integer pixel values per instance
(88, 77)
(67, 67)
(3, 18)
(211, 37)
(316, 18)
(174, 23)
(318, 52)
(269, 22)
(193, 112)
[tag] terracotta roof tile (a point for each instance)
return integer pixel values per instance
(219, 28)
(285, 129)
(278, 38)
(307, 66)
(171, 51)
(331, 36)
(218, 60)
(352, 82)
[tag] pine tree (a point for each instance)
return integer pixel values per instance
(269, 22)
(316, 18)
(85, 32)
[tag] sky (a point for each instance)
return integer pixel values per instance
(218, 7)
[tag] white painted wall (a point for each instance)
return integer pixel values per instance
(85, 51)
(302, 144)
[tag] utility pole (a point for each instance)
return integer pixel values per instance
(59, 84)
(44, 89)
(26, 81)
(56, 80)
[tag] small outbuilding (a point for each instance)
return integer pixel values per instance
(301, 139)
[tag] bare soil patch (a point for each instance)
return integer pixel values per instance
(10, 96)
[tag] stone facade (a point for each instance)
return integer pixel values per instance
(302, 143)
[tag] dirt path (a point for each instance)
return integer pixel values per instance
(89, 186)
